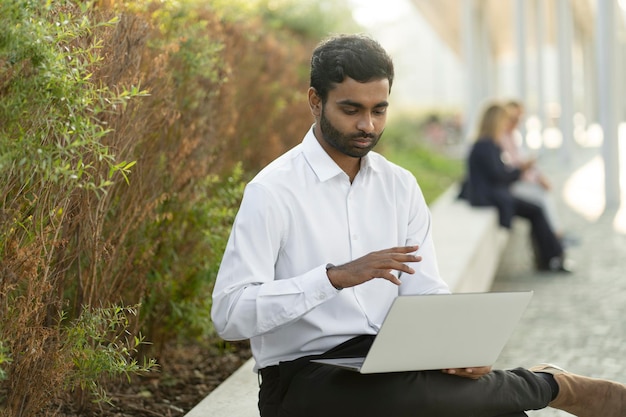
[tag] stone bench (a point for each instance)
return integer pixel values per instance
(469, 243)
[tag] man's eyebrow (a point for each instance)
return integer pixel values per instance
(348, 102)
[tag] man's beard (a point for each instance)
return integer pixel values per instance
(343, 142)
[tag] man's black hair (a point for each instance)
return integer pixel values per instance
(355, 56)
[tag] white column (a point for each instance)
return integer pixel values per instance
(564, 13)
(520, 40)
(620, 66)
(470, 43)
(605, 47)
(540, 35)
(487, 75)
(591, 91)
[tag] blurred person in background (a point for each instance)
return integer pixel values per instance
(490, 181)
(533, 185)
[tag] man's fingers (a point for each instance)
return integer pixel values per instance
(402, 249)
(397, 261)
(391, 277)
(382, 264)
(472, 373)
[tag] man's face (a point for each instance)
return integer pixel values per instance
(354, 117)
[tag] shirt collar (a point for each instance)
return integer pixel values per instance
(323, 165)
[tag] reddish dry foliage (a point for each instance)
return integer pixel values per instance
(96, 248)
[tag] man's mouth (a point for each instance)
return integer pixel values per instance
(363, 141)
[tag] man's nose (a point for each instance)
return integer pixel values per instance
(366, 123)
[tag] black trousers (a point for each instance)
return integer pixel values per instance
(303, 389)
(545, 243)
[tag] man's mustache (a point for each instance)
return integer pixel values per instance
(363, 136)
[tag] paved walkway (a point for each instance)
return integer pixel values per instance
(578, 320)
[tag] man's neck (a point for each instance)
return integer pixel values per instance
(348, 164)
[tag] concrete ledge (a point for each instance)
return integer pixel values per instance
(237, 396)
(469, 243)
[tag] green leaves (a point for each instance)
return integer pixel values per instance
(5, 358)
(53, 112)
(56, 152)
(100, 345)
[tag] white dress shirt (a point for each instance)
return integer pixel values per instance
(298, 214)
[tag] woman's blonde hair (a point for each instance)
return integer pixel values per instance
(492, 121)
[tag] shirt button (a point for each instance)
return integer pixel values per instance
(355, 237)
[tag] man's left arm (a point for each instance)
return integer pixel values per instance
(426, 279)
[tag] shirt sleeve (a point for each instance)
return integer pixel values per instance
(247, 298)
(426, 279)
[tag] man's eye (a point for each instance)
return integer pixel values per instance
(350, 111)
(381, 111)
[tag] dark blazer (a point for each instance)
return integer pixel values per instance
(489, 180)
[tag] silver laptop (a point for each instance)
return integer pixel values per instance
(426, 332)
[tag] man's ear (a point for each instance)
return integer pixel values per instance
(315, 102)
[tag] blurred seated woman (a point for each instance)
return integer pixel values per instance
(489, 181)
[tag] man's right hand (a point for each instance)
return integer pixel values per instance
(378, 264)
